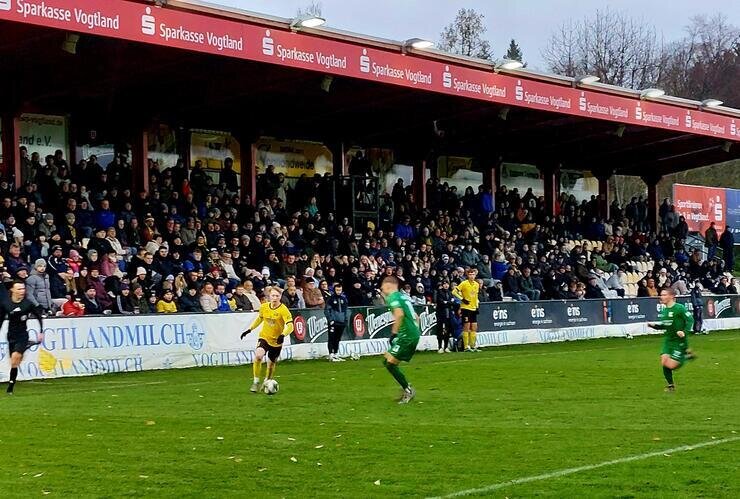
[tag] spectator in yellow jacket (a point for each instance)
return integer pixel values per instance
(167, 305)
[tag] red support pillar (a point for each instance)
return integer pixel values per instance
(604, 195)
(652, 209)
(249, 176)
(489, 177)
(10, 146)
(140, 161)
(420, 183)
(550, 175)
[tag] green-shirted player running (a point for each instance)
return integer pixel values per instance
(405, 334)
(675, 322)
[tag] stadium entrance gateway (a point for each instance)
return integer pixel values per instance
(159, 83)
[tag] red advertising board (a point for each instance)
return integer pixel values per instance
(145, 23)
(700, 206)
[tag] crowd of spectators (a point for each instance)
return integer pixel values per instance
(86, 243)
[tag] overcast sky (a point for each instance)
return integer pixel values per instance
(528, 21)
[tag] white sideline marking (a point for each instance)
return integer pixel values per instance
(589, 467)
(97, 387)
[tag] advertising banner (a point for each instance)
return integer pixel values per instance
(44, 134)
(501, 316)
(631, 310)
(176, 28)
(311, 326)
(293, 158)
(732, 211)
(212, 148)
(700, 206)
(86, 346)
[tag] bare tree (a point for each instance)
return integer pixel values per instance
(312, 9)
(617, 48)
(707, 62)
(464, 35)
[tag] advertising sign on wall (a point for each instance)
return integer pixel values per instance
(732, 212)
(93, 345)
(212, 148)
(293, 158)
(700, 206)
(44, 134)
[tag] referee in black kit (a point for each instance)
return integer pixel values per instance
(17, 309)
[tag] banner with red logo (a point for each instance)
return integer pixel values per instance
(700, 206)
(189, 30)
(311, 326)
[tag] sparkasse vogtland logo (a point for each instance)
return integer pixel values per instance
(519, 90)
(687, 119)
(582, 104)
(299, 328)
(268, 44)
(447, 78)
(364, 62)
(5, 4)
(358, 325)
(148, 22)
(638, 112)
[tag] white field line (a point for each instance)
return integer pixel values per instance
(588, 467)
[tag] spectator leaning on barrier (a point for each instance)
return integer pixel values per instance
(73, 307)
(336, 311)
(90, 302)
(190, 300)
(166, 304)
(38, 289)
(139, 301)
(208, 300)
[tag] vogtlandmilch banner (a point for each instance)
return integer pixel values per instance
(92, 345)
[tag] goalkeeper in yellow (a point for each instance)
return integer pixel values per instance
(277, 323)
(467, 293)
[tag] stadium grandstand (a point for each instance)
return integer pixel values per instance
(185, 186)
(126, 193)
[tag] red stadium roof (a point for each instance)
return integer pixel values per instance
(383, 92)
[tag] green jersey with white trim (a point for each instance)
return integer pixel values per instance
(409, 326)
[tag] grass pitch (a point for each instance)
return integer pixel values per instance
(334, 430)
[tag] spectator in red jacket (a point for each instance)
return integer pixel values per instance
(73, 307)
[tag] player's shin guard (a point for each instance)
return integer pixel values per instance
(466, 339)
(473, 339)
(256, 370)
(396, 373)
(668, 374)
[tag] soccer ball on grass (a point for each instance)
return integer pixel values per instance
(270, 387)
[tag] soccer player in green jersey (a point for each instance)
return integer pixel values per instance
(405, 334)
(675, 322)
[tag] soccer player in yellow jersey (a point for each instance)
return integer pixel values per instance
(277, 323)
(467, 292)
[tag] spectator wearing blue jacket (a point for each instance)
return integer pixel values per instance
(404, 229)
(105, 217)
(486, 200)
(336, 311)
